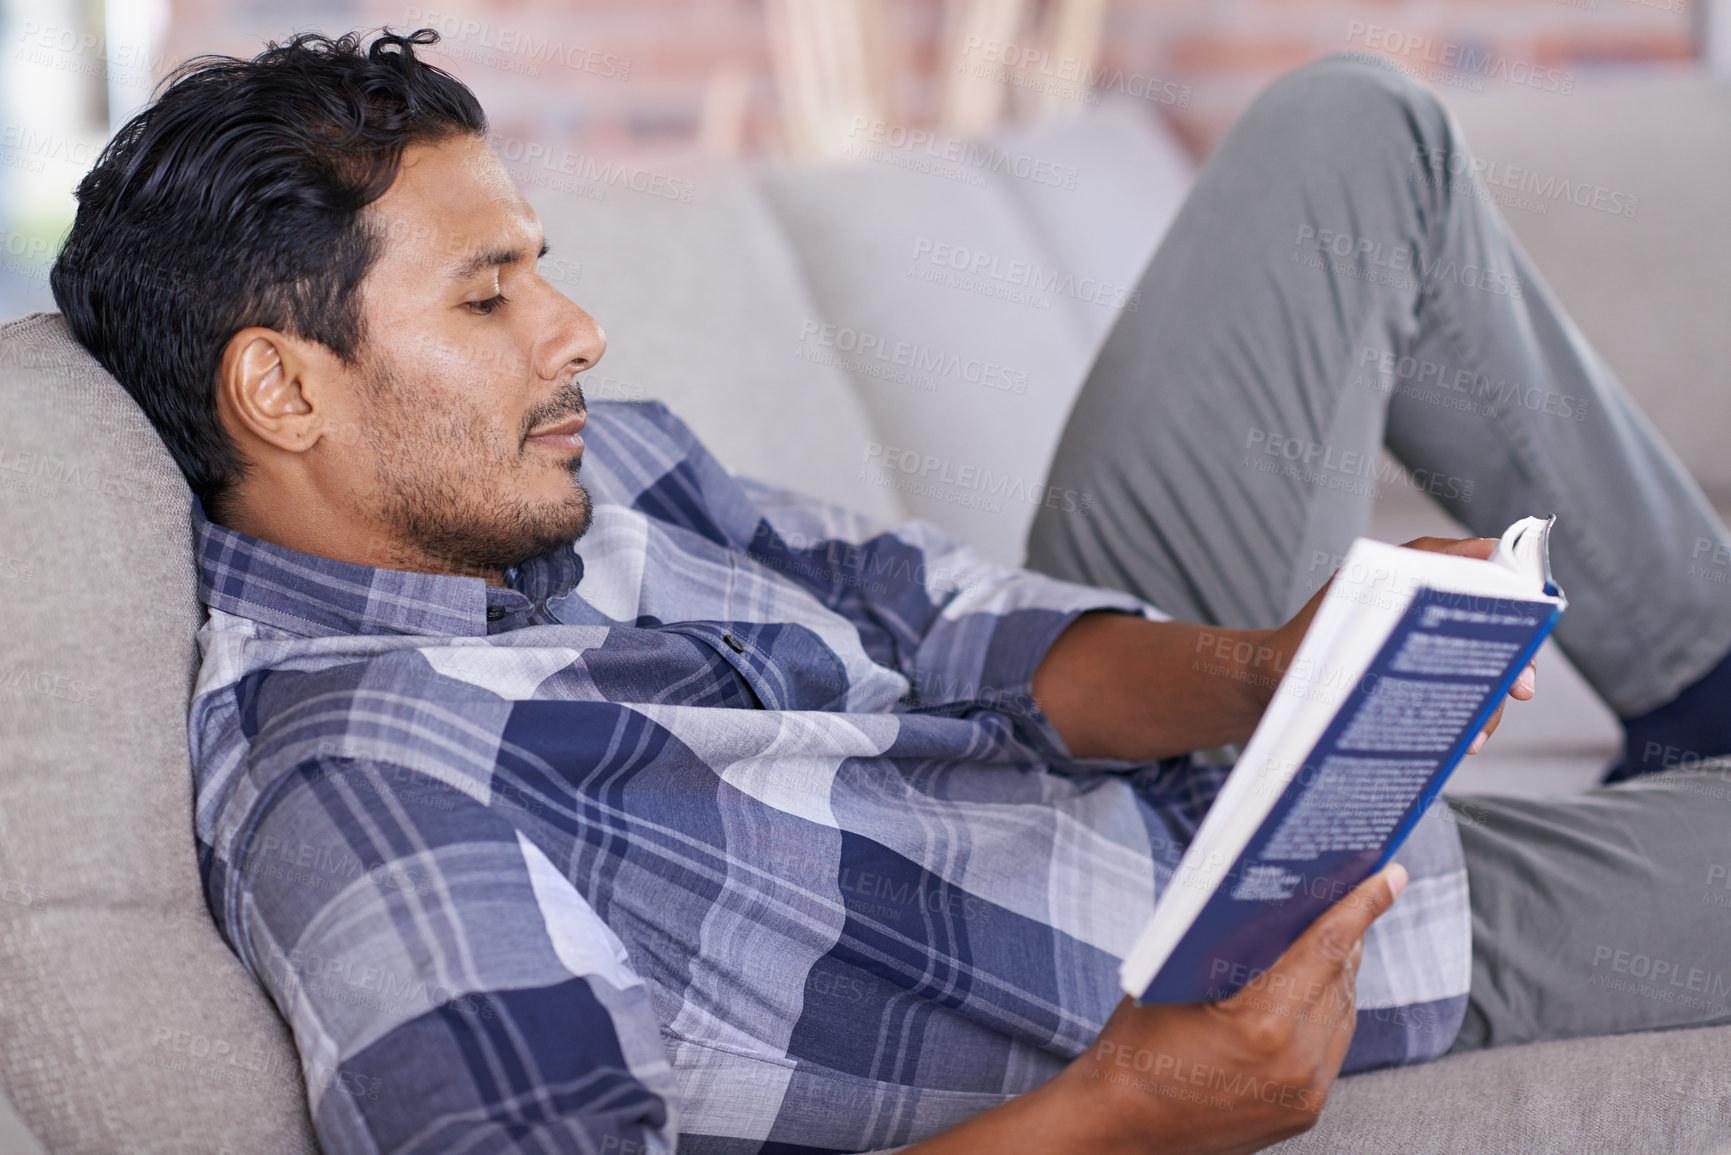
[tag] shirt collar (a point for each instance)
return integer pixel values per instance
(311, 595)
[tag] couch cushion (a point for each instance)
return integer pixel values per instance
(1664, 1091)
(1619, 195)
(16, 1138)
(125, 1021)
(1137, 176)
(967, 287)
(703, 304)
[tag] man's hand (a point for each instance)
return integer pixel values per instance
(1115, 686)
(1232, 1076)
(1282, 643)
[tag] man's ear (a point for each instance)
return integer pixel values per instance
(271, 386)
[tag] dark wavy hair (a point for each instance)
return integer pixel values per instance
(235, 199)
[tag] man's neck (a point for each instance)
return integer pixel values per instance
(288, 525)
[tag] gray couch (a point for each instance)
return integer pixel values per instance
(125, 1022)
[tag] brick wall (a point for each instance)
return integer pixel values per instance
(1225, 51)
(613, 76)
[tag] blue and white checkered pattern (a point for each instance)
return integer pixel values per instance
(738, 828)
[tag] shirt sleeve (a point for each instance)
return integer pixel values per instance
(966, 631)
(447, 987)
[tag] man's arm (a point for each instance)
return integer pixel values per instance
(1117, 686)
(1211, 1078)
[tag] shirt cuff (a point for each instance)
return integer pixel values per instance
(1006, 644)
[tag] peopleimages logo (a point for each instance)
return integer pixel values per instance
(1459, 59)
(74, 50)
(911, 362)
(531, 47)
(37, 473)
(1351, 470)
(26, 256)
(1460, 388)
(47, 684)
(980, 271)
(1663, 979)
(588, 174)
(933, 470)
(871, 136)
(1070, 77)
(1460, 165)
(31, 150)
(1399, 265)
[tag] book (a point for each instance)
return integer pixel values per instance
(1407, 657)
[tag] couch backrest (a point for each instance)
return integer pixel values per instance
(969, 286)
(812, 325)
(1619, 195)
(703, 305)
(126, 1023)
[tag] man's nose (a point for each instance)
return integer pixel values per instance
(592, 339)
(577, 343)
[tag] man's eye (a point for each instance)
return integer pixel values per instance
(487, 306)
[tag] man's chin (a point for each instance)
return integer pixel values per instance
(559, 526)
(494, 539)
(582, 514)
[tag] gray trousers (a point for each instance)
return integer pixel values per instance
(1339, 281)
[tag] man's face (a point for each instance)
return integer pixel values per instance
(466, 450)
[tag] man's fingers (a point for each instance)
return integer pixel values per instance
(1352, 915)
(1479, 547)
(1490, 728)
(1323, 950)
(1344, 1023)
(1521, 691)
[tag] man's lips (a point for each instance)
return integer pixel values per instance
(562, 436)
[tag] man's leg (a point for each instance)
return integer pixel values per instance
(1215, 435)
(1602, 913)
(1223, 437)
(1332, 281)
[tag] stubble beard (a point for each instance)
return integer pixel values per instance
(448, 498)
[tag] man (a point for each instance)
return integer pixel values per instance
(744, 824)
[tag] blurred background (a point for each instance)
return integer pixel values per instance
(617, 78)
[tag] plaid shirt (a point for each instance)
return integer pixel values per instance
(733, 826)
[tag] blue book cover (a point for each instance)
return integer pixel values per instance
(1400, 726)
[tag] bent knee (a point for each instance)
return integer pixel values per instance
(1346, 81)
(1351, 102)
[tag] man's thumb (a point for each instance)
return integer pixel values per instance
(1367, 901)
(1328, 943)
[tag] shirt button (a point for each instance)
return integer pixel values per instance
(733, 643)
(495, 613)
